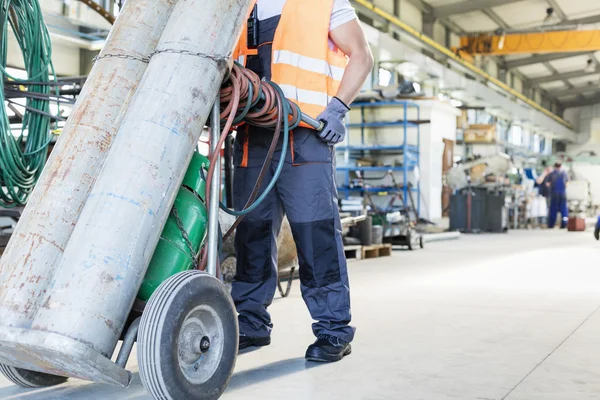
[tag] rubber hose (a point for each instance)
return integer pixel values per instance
(244, 97)
(22, 158)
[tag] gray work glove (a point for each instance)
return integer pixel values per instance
(334, 130)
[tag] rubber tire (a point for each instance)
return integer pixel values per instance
(159, 331)
(30, 379)
(421, 242)
(409, 240)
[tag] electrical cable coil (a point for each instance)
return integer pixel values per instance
(22, 158)
(246, 98)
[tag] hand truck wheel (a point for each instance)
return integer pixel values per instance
(410, 240)
(30, 379)
(188, 338)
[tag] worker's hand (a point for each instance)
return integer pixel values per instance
(334, 130)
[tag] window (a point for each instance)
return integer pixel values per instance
(385, 77)
(517, 135)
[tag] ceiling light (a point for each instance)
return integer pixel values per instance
(550, 17)
(590, 66)
(501, 42)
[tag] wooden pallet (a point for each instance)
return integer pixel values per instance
(353, 252)
(376, 250)
(363, 252)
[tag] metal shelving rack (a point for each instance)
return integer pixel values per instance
(410, 153)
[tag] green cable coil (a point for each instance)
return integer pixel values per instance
(22, 157)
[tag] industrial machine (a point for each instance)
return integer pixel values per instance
(474, 172)
(479, 201)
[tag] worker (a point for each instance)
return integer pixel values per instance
(557, 185)
(543, 189)
(317, 52)
(540, 180)
(597, 229)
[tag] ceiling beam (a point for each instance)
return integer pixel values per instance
(422, 6)
(592, 19)
(576, 90)
(496, 18)
(428, 14)
(563, 76)
(536, 59)
(586, 101)
(468, 6)
(557, 10)
(553, 71)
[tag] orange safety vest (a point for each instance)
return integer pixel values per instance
(303, 65)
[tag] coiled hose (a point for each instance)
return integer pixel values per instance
(245, 98)
(22, 158)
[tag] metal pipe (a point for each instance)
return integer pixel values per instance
(36, 247)
(313, 123)
(213, 206)
(128, 342)
(436, 237)
(308, 120)
(228, 169)
(116, 234)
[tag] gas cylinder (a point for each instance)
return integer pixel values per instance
(184, 232)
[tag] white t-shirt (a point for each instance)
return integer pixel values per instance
(342, 11)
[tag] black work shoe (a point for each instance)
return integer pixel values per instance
(328, 348)
(597, 233)
(247, 341)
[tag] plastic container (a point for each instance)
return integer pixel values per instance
(377, 234)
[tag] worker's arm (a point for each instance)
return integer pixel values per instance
(541, 178)
(351, 39)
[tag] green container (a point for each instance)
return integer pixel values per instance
(172, 254)
(378, 219)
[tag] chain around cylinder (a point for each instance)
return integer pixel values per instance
(186, 238)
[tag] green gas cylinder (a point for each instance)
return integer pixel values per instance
(184, 232)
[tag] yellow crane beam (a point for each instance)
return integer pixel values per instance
(567, 41)
(417, 34)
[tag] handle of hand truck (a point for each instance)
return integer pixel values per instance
(313, 123)
(310, 121)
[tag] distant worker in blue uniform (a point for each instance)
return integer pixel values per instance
(557, 185)
(597, 230)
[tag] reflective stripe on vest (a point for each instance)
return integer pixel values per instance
(305, 96)
(308, 64)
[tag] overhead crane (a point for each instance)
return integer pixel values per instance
(538, 42)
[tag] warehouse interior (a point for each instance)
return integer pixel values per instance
(469, 266)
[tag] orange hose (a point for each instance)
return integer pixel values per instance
(265, 113)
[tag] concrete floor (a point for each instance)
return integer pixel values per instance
(486, 317)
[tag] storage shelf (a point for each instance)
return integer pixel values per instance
(376, 189)
(409, 148)
(385, 103)
(408, 156)
(381, 169)
(383, 124)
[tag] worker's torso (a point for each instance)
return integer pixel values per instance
(307, 146)
(558, 181)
